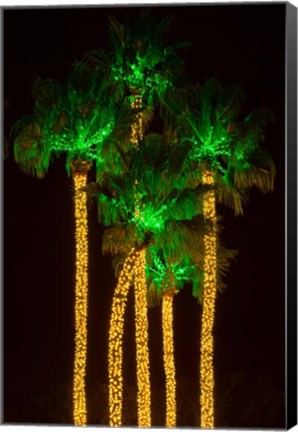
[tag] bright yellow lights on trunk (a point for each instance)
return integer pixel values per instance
(209, 295)
(134, 268)
(80, 170)
(115, 340)
(168, 357)
(141, 321)
(137, 125)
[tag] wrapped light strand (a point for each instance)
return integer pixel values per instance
(80, 170)
(115, 356)
(141, 323)
(168, 356)
(209, 296)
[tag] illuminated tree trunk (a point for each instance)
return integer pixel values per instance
(137, 125)
(209, 296)
(141, 321)
(80, 170)
(116, 337)
(168, 358)
(134, 266)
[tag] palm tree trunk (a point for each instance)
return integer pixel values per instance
(168, 358)
(141, 318)
(137, 125)
(115, 339)
(80, 170)
(209, 296)
(141, 322)
(134, 266)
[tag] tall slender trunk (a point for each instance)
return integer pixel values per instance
(141, 307)
(168, 358)
(137, 125)
(134, 266)
(115, 339)
(141, 322)
(209, 296)
(80, 170)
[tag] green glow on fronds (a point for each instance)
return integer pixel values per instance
(117, 203)
(150, 217)
(166, 274)
(80, 141)
(30, 152)
(139, 58)
(141, 75)
(77, 117)
(209, 119)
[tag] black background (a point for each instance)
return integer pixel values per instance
(237, 44)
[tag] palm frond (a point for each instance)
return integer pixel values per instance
(117, 30)
(30, 152)
(230, 196)
(259, 117)
(260, 171)
(117, 240)
(46, 92)
(154, 298)
(99, 59)
(224, 259)
(117, 263)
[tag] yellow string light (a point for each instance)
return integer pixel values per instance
(137, 125)
(209, 295)
(115, 340)
(133, 266)
(141, 322)
(168, 356)
(81, 290)
(141, 319)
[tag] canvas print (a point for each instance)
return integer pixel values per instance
(144, 219)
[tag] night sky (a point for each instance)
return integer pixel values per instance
(238, 44)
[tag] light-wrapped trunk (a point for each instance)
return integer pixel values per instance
(209, 296)
(80, 170)
(141, 308)
(168, 358)
(141, 322)
(116, 339)
(134, 266)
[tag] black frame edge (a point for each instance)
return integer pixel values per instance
(291, 216)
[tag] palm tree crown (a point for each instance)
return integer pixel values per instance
(138, 59)
(223, 142)
(77, 119)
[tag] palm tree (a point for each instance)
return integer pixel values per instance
(76, 119)
(140, 65)
(138, 62)
(166, 277)
(164, 216)
(227, 156)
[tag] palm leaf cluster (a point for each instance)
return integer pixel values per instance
(138, 60)
(145, 186)
(76, 118)
(168, 219)
(222, 140)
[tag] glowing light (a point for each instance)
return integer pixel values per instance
(115, 340)
(209, 295)
(141, 322)
(141, 319)
(168, 356)
(80, 170)
(137, 125)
